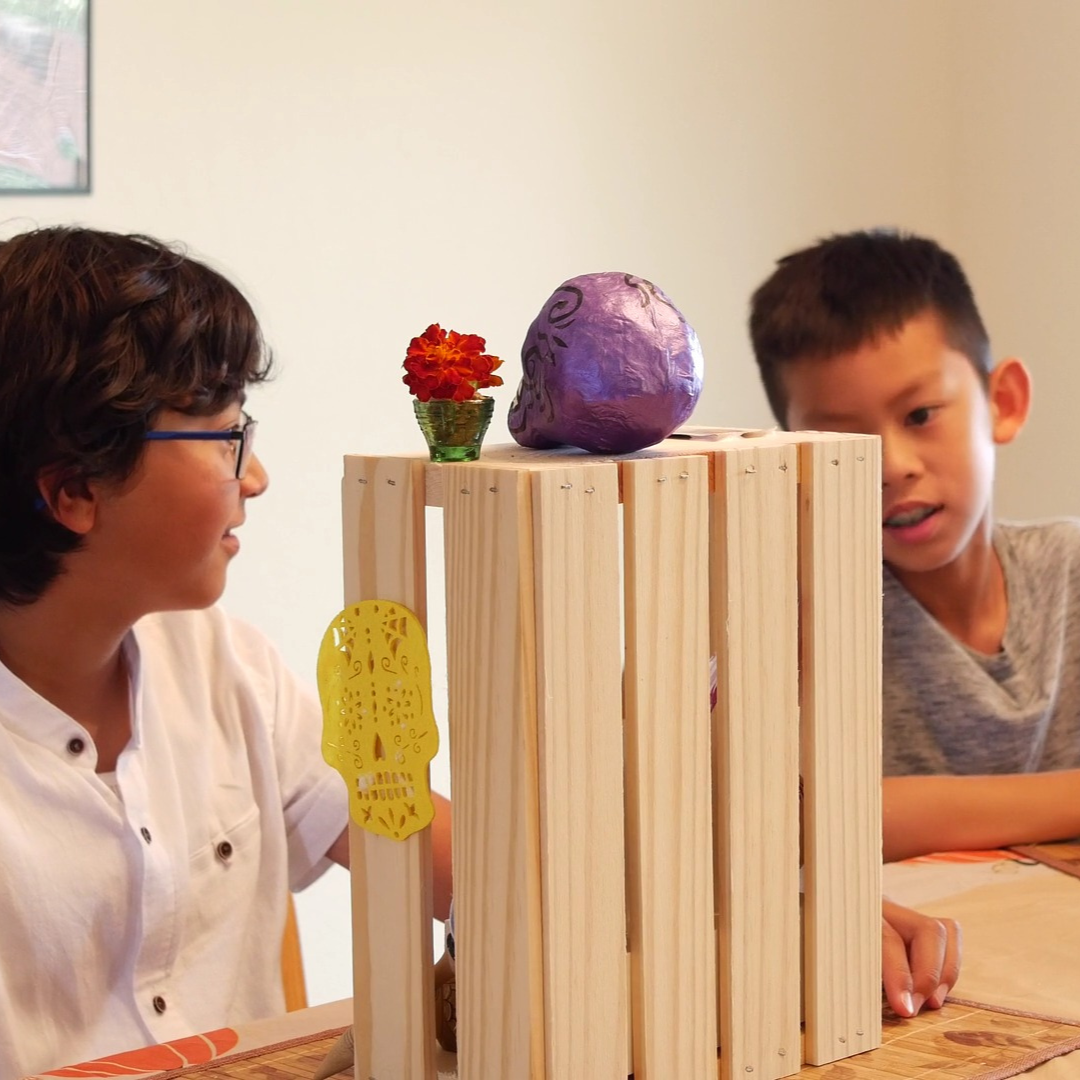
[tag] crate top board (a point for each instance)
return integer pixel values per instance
(687, 440)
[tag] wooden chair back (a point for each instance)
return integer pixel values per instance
(292, 963)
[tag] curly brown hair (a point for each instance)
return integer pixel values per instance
(98, 332)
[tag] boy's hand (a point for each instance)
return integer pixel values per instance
(920, 958)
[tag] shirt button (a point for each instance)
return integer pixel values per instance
(145, 833)
(159, 1004)
(76, 746)
(224, 851)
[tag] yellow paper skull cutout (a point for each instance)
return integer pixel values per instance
(378, 726)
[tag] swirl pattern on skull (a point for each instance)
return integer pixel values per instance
(609, 365)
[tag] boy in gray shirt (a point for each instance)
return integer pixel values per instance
(878, 332)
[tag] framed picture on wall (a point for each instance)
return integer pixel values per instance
(44, 96)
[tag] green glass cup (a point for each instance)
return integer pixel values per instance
(454, 430)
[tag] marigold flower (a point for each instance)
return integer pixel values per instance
(445, 364)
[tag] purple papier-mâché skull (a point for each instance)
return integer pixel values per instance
(609, 365)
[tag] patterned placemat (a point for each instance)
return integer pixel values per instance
(296, 1059)
(963, 1041)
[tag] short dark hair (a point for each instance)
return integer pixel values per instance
(99, 332)
(851, 289)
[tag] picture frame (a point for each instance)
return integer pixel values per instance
(44, 97)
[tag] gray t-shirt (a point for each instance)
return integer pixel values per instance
(949, 709)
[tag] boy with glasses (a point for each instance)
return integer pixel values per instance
(161, 780)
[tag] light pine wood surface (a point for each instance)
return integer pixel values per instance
(626, 868)
(840, 601)
(491, 669)
(394, 1005)
(580, 740)
(669, 847)
(755, 731)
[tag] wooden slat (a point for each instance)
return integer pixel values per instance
(579, 714)
(511, 455)
(669, 857)
(840, 601)
(755, 724)
(491, 651)
(393, 997)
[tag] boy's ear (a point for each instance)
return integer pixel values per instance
(69, 501)
(1010, 399)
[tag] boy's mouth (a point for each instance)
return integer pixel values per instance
(907, 517)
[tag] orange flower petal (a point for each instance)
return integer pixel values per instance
(446, 364)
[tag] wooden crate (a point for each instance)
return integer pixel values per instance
(626, 859)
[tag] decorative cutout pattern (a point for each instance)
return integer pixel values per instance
(379, 730)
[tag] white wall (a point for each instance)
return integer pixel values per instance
(1017, 135)
(365, 168)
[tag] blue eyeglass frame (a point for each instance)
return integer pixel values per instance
(245, 436)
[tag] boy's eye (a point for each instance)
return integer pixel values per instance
(921, 415)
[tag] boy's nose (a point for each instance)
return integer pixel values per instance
(256, 479)
(899, 460)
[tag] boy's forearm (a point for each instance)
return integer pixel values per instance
(968, 813)
(442, 862)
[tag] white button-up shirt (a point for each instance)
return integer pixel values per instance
(154, 908)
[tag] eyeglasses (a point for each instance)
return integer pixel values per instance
(243, 437)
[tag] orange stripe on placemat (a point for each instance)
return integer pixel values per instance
(180, 1053)
(959, 857)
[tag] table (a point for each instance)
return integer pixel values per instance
(1021, 925)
